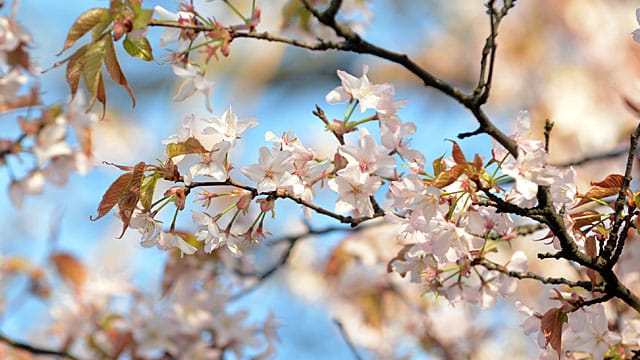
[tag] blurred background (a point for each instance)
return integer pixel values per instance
(570, 62)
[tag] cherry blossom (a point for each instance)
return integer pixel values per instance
(193, 81)
(368, 156)
(369, 96)
(228, 127)
(213, 164)
(272, 170)
(354, 188)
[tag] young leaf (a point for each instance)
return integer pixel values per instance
(83, 24)
(458, 155)
(141, 18)
(190, 146)
(551, 328)
(114, 70)
(607, 187)
(92, 68)
(74, 69)
(146, 192)
(112, 195)
(611, 181)
(69, 268)
(129, 198)
(139, 48)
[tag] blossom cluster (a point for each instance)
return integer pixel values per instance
(58, 141)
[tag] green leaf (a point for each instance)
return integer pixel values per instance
(83, 24)
(146, 192)
(92, 68)
(138, 48)
(190, 146)
(74, 69)
(141, 18)
(114, 69)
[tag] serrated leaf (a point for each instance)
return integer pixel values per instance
(112, 195)
(129, 198)
(611, 181)
(83, 24)
(458, 155)
(74, 69)
(141, 18)
(92, 68)
(69, 268)
(114, 69)
(190, 146)
(139, 48)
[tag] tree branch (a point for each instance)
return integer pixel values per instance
(34, 349)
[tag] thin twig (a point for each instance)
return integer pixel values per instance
(594, 157)
(489, 265)
(347, 339)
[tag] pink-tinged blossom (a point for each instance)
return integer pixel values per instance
(369, 96)
(212, 164)
(32, 184)
(394, 133)
(192, 81)
(176, 35)
(168, 240)
(228, 127)
(271, 171)
(212, 235)
(354, 189)
(450, 242)
(288, 142)
(483, 220)
(368, 157)
(530, 169)
(11, 35)
(588, 332)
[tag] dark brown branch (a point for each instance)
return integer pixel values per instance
(34, 349)
(612, 241)
(489, 265)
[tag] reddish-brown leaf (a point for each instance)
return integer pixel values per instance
(112, 195)
(551, 328)
(458, 155)
(114, 70)
(129, 198)
(611, 181)
(69, 268)
(597, 192)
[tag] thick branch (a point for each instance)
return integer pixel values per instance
(34, 349)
